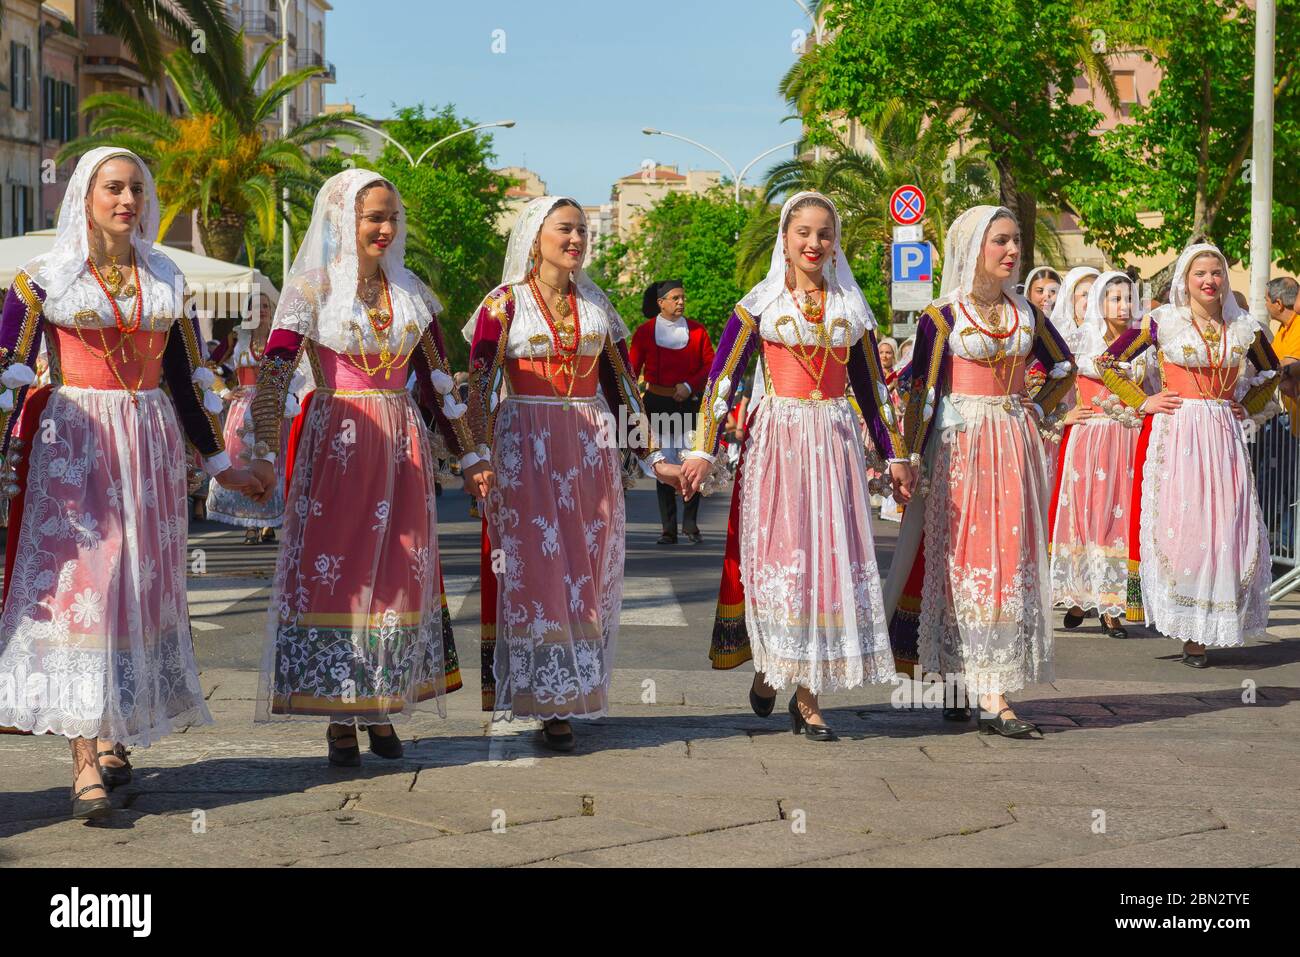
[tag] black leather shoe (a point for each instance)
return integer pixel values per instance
(1113, 627)
(557, 740)
(384, 745)
(957, 714)
(1072, 620)
(666, 539)
(344, 757)
(1008, 727)
(762, 706)
(1196, 661)
(813, 732)
(114, 777)
(694, 537)
(91, 809)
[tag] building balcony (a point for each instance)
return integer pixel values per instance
(308, 58)
(107, 59)
(259, 23)
(330, 76)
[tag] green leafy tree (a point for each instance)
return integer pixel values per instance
(453, 201)
(1187, 153)
(998, 72)
(692, 238)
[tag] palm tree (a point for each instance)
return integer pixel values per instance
(900, 148)
(216, 159)
(142, 26)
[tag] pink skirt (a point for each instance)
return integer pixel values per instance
(1090, 538)
(986, 602)
(555, 521)
(1205, 566)
(95, 635)
(354, 629)
(814, 609)
(236, 508)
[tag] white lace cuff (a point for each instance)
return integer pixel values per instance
(217, 464)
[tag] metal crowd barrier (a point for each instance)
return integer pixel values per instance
(1275, 460)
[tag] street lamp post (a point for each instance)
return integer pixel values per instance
(414, 161)
(736, 177)
(1261, 188)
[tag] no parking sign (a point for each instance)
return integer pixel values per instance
(912, 279)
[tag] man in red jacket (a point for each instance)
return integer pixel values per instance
(673, 355)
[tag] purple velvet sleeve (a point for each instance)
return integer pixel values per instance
(18, 323)
(863, 375)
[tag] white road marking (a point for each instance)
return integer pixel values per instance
(216, 595)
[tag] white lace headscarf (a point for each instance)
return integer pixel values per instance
(1033, 275)
(843, 295)
(961, 255)
(56, 270)
(519, 263)
(1088, 339)
(319, 300)
(1180, 296)
(1063, 311)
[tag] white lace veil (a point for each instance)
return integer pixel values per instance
(519, 263)
(1033, 274)
(961, 254)
(1179, 295)
(843, 295)
(1088, 340)
(56, 270)
(319, 299)
(1062, 316)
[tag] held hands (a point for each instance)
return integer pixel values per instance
(904, 478)
(242, 480)
(479, 480)
(682, 392)
(264, 474)
(693, 473)
(1238, 410)
(669, 474)
(1031, 407)
(1166, 401)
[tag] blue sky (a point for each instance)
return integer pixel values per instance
(581, 78)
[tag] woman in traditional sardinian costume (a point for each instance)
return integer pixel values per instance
(1094, 485)
(801, 591)
(549, 361)
(258, 519)
(968, 590)
(1196, 535)
(95, 639)
(1041, 288)
(355, 630)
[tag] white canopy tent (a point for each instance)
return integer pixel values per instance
(220, 289)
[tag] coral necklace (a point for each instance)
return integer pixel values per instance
(122, 325)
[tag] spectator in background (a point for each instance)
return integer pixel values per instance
(1282, 294)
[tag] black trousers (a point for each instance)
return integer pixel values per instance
(662, 404)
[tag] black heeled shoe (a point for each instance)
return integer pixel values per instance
(91, 809)
(251, 536)
(114, 777)
(1072, 620)
(1113, 627)
(385, 745)
(558, 740)
(762, 706)
(1196, 661)
(1008, 727)
(694, 537)
(800, 725)
(343, 757)
(268, 536)
(666, 539)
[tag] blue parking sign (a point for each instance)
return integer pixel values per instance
(912, 262)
